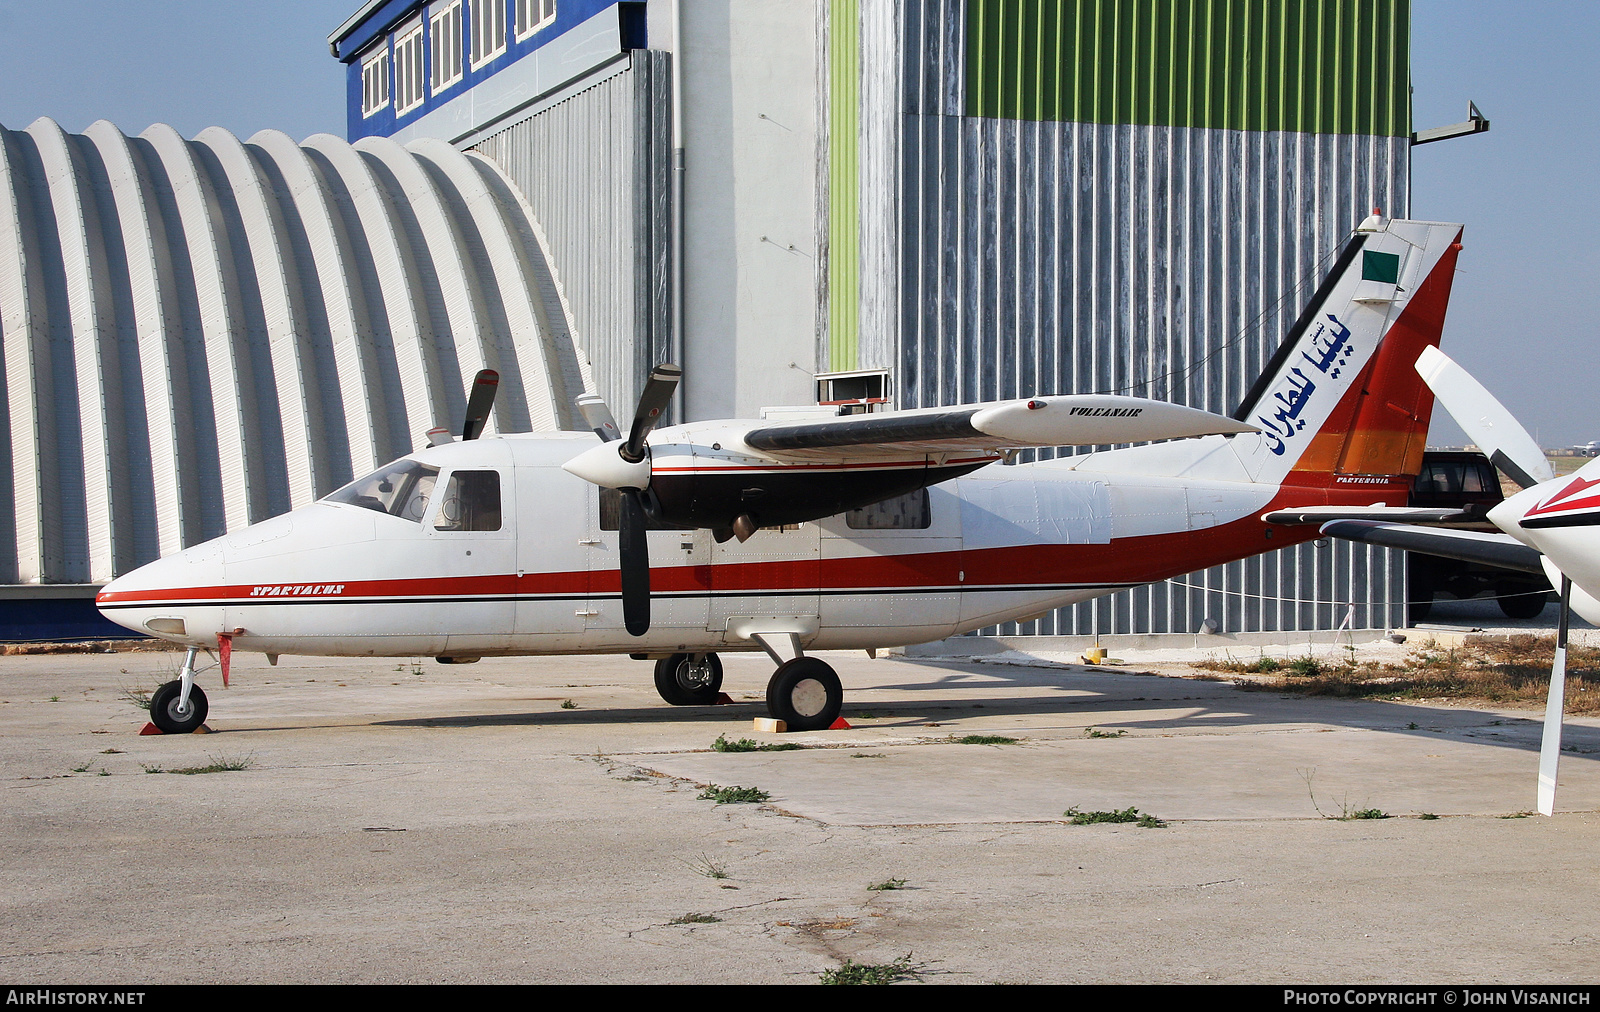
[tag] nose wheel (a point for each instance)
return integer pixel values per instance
(171, 714)
(689, 679)
(180, 707)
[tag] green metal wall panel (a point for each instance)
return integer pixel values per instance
(844, 186)
(1307, 66)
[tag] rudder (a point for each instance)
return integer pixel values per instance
(1340, 403)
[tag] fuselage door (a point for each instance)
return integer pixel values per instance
(470, 528)
(554, 544)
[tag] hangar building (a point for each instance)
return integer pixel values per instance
(899, 203)
(935, 201)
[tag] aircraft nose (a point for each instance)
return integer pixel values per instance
(175, 598)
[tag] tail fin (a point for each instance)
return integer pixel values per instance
(1341, 404)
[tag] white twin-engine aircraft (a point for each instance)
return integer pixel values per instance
(860, 532)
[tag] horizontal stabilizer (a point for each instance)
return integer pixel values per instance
(1072, 420)
(1467, 546)
(1396, 514)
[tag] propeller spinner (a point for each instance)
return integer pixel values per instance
(624, 464)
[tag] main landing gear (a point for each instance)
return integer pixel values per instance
(689, 679)
(804, 692)
(180, 706)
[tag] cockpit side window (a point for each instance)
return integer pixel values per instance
(401, 489)
(471, 502)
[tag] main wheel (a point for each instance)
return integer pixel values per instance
(1516, 605)
(805, 694)
(164, 708)
(682, 681)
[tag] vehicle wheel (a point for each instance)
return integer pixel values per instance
(1516, 605)
(164, 709)
(805, 694)
(682, 682)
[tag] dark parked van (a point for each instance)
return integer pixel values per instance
(1466, 480)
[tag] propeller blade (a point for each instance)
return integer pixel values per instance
(1484, 419)
(635, 551)
(480, 403)
(658, 390)
(1550, 745)
(598, 417)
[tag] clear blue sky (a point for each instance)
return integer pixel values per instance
(1523, 316)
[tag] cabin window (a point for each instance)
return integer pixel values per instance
(471, 502)
(401, 489)
(909, 512)
(611, 514)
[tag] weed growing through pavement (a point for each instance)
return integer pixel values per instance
(1145, 821)
(1347, 812)
(696, 919)
(851, 972)
(218, 764)
(868, 755)
(887, 885)
(734, 795)
(138, 697)
(567, 704)
(709, 866)
(722, 744)
(1094, 732)
(1427, 817)
(983, 739)
(84, 768)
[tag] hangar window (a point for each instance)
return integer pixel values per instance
(488, 26)
(375, 81)
(534, 16)
(471, 502)
(444, 24)
(401, 489)
(909, 512)
(408, 92)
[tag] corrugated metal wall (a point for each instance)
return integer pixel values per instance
(200, 334)
(595, 168)
(1137, 250)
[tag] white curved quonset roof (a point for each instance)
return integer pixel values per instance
(201, 334)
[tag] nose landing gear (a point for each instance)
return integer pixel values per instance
(178, 707)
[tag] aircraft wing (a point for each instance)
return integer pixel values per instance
(1071, 420)
(1377, 511)
(1469, 546)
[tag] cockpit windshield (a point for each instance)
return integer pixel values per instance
(400, 489)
